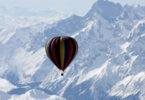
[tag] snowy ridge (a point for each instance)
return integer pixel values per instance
(131, 85)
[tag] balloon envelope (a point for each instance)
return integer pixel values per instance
(61, 51)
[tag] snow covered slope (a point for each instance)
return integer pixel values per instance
(111, 48)
(36, 94)
(109, 64)
(11, 92)
(6, 86)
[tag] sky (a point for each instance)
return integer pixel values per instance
(82, 6)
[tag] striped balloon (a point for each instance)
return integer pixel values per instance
(61, 51)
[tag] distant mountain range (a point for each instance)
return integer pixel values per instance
(21, 12)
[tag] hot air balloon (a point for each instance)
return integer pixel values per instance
(61, 51)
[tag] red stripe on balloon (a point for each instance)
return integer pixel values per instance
(70, 52)
(53, 52)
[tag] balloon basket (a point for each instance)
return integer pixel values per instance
(62, 74)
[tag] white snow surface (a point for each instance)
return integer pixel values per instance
(130, 85)
(33, 94)
(36, 94)
(124, 46)
(6, 86)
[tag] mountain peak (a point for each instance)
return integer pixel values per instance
(108, 10)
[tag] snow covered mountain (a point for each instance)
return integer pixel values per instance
(30, 12)
(109, 64)
(8, 92)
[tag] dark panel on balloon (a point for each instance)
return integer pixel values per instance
(49, 51)
(57, 50)
(67, 50)
(71, 49)
(53, 52)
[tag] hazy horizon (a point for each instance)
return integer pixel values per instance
(78, 5)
